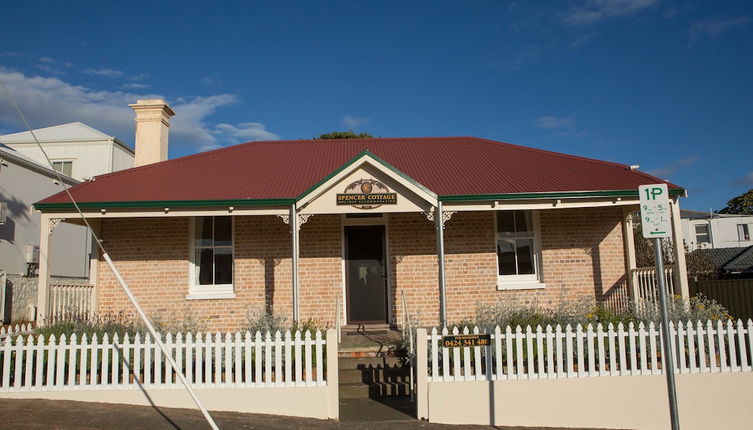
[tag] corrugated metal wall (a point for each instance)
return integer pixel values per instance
(121, 159)
(734, 294)
(89, 159)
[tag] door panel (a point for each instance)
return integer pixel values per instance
(366, 274)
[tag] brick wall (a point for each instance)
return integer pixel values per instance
(582, 258)
(152, 255)
(582, 252)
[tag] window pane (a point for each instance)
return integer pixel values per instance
(524, 248)
(506, 257)
(203, 231)
(742, 232)
(68, 168)
(523, 221)
(223, 235)
(223, 266)
(204, 266)
(505, 223)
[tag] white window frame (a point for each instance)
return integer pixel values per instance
(63, 160)
(205, 292)
(741, 230)
(522, 282)
(707, 234)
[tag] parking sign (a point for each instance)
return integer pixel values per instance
(655, 211)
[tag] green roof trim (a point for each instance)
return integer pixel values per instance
(165, 204)
(354, 160)
(549, 195)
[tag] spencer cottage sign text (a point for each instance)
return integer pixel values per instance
(367, 194)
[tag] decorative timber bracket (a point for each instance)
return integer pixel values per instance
(302, 218)
(54, 222)
(446, 215)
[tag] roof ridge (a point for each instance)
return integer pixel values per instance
(570, 156)
(546, 151)
(743, 254)
(257, 142)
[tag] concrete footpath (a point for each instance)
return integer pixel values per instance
(58, 414)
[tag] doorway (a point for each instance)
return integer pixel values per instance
(365, 274)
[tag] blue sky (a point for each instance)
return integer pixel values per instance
(666, 85)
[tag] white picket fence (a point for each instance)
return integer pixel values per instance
(71, 300)
(645, 279)
(84, 362)
(14, 330)
(557, 352)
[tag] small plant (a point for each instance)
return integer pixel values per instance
(585, 312)
(263, 321)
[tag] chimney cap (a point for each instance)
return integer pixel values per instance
(152, 103)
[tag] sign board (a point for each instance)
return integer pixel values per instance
(367, 194)
(655, 211)
(463, 340)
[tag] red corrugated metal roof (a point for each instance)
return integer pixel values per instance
(448, 166)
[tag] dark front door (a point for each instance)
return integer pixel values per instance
(366, 274)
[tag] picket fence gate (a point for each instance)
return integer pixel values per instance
(247, 360)
(557, 352)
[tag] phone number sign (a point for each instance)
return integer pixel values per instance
(464, 340)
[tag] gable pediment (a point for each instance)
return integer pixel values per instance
(367, 184)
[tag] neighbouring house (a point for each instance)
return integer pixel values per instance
(291, 226)
(703, 230)
(77, 152)
(75, 149)
(727, 262)
(22, 183)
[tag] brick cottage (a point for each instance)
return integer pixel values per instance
(290, 226)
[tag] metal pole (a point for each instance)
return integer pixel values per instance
(669, 369)
(294, 277)
(160, 344)
(438, 215)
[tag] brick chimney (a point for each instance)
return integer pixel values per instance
(152, 126)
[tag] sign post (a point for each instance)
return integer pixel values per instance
(655, 220)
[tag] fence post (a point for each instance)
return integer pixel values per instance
(333, 384)
(681, 270)
(629, 245)
(422, 372)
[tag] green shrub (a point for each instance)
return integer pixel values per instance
(583, 312)
(263, 321)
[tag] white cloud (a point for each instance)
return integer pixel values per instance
(47, 68)
(564, 126)
(134, 85)
(745, 180)
(243, 132)
(666, 171)
(551, 122)
(108, 73)
(48, 101)
(712, 28)
(353, 122)
(593, 11)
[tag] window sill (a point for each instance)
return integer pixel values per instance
(520, 285)
(209, 295)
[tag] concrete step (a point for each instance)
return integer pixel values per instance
(375, 374)
(374, 390)
(354, 391)
(360, 362)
